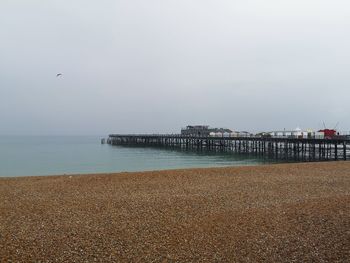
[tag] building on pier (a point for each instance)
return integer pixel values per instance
(231, 134)
(296, 133)
(203, 130)
(329, 133)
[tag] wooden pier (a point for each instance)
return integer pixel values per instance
(289, 149)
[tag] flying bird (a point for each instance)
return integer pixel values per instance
(58, 75)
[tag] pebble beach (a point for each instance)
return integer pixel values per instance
(270, 213)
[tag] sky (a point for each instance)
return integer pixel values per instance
(154, 66)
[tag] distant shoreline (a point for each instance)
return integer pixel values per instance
(249, 165)
(276, 213)
(147, 171)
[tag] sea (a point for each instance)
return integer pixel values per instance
(57, 155)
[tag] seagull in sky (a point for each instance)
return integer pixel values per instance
(58, 75)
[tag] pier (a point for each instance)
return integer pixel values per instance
(288, 149)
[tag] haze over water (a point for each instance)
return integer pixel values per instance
(54, 155)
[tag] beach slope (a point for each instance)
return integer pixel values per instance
(272, 213)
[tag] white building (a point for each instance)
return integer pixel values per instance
(296, 133)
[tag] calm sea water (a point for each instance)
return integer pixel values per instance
(51, 155)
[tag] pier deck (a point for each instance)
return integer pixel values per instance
(290, 149)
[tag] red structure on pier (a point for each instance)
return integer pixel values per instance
(328, 133)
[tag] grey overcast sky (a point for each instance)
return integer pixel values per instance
(157, 65)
